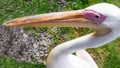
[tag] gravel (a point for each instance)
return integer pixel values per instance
(19, 44)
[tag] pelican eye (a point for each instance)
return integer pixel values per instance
(96, 16)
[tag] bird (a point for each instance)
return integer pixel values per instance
(103, 18)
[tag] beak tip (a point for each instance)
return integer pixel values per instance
(4, 24)
(8, 23)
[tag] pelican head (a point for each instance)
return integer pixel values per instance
(102, 17)
(111, 12)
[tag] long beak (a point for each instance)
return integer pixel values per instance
(58, 19)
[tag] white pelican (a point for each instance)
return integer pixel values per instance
(104, 18)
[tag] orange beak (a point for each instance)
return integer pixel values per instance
(58, 19)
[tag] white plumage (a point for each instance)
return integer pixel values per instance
(62, 54)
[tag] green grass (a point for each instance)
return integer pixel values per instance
(106, 56)
(10, 63)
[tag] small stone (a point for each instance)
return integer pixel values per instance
(25, 35)
(35, 45)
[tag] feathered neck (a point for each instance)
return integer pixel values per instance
(87, 41)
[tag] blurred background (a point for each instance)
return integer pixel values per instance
(27, 47)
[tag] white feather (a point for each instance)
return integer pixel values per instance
(61, 56)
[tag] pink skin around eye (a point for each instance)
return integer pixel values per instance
(94, 16)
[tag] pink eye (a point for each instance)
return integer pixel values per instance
(94, 16)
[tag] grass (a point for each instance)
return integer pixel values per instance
(106, 56)
(10, 63)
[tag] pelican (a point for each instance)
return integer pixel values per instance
(104, 18)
